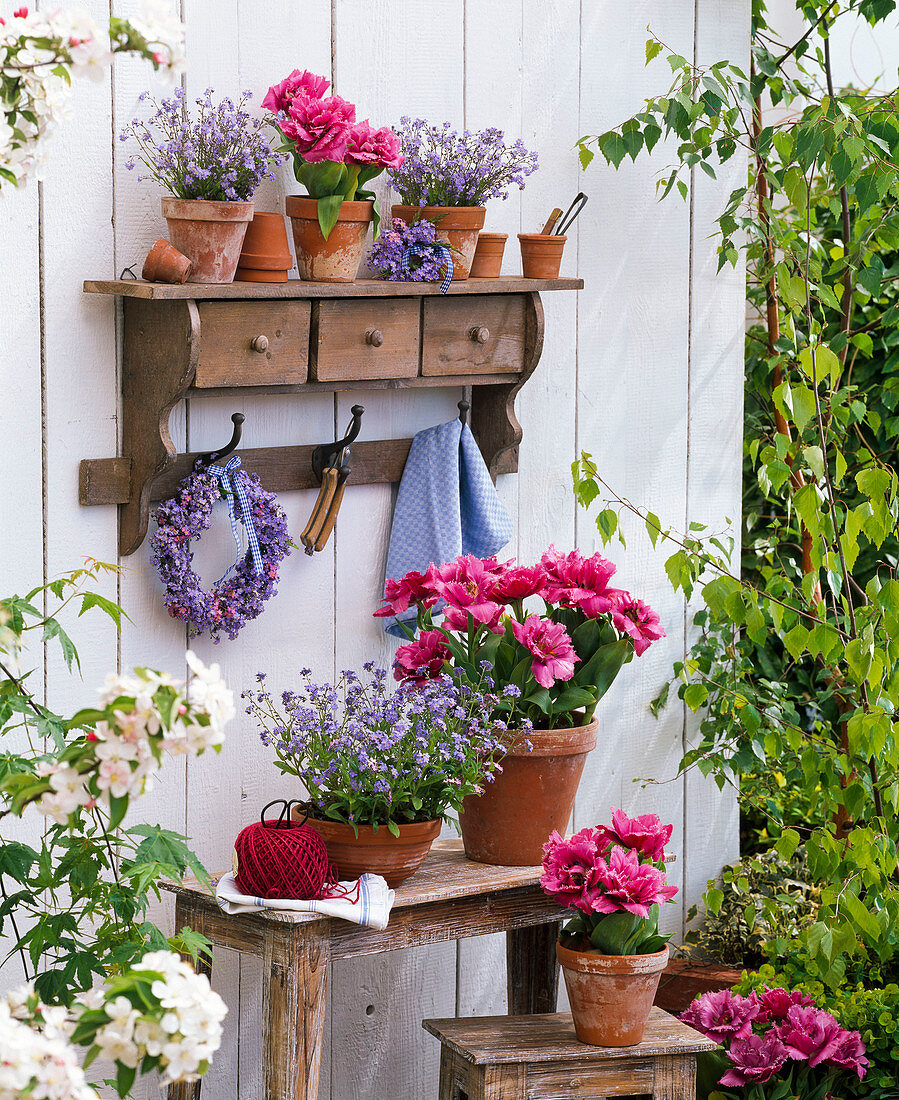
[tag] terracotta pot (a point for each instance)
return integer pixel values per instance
(686, 979)
(457, 225)
(165, 264)
(488, 256)
(265, 256)
(511, 821)
(610, 995)
(210, 234)
(396, 858)
(541, 255)
(337, 259)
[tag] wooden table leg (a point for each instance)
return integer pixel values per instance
(532, 973)
(186, 914)
(498, 1082)
(675, 1077)
(294, 995)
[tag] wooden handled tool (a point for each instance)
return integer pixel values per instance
(551, 220)
(320, 511)
(331, 517)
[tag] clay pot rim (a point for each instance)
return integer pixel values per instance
(411, 832)
(592, 962)
(266, 261)
(206, 210)
(451, 217)
(490, 237)
(557, 742)
(541, 238)
(302, 206)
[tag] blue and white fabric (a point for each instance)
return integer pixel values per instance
(232, 480)
(371, 907)
(422, 248)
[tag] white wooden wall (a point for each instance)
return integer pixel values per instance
(643, 368)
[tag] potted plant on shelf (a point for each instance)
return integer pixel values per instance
(212, 166)
(446, 177)
(334, 157)
(381, 771)
(550, 669)
(611, 953)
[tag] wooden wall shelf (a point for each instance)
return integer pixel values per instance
(198, 340)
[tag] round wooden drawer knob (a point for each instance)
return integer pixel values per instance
(375, 337)
(259, 343)
(480, 334)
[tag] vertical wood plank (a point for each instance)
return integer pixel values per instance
(711, 817)
(532, 978)
(675, 1077)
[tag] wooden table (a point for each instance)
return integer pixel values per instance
(540, 1058)
(448, 898)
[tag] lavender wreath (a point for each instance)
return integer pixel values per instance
(240, 594)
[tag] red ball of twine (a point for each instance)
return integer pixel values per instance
(281, 859)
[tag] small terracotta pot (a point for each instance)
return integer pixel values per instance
(457, 225)
(488, 256)
(265, 256)
(534, 793)
(396, 858)
(337, 259)
(541, 255)
(165, 264)
(610, 995)
(210, 234)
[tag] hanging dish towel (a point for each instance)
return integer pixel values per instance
(447, 505)
(369, 905)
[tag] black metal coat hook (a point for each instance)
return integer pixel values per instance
(330, 455)
(209, 457)
(464, 409)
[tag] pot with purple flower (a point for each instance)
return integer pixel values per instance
(334, 158)
(446, 178)
(611, 953)
(212, 166)
(382, 771)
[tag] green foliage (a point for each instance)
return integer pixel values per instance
(761, 906)
(795, 670)
(874, 1012)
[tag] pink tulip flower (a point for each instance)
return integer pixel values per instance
(554, 655)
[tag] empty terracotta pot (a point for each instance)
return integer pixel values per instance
(541, 255)
(457, 225)
(209, 233)
(265, 256)
(165, 264)
(511, 821)
(488, 256)
(396, 858)
(611, 995)
(337, 259)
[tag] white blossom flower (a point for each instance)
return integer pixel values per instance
(116, 777)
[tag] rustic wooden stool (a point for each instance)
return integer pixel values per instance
(539, 1058)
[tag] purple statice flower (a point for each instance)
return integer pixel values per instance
(374, 758)
(221, 154)
(444, 168)
(388, 250)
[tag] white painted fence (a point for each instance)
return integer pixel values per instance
(643, 368)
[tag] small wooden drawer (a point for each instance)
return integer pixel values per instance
(253, 343)
(473, 333)
(362, 339)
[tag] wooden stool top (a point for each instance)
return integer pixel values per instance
(494, 1040)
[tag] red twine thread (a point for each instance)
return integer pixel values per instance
(282, 859)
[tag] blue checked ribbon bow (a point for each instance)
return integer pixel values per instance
(421, 248)
(233, 485)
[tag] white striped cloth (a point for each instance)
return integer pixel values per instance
(372, 907)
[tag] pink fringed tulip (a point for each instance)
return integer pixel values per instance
(280, 96)
(645, 834)
(399, 595)
(722, 1015)
(370, 148)
(624, 883)
(774, 1004)
(518, 582)
(466, 585)
(320, 128)
(422, 659)
(755, 1060)
(554, 655)
(810, 1033)
(849, 1054)
(569, 868)
(637, 619)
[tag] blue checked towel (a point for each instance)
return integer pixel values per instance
(447, 505)
(371, 908)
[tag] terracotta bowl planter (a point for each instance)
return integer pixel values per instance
(686, 979)
(165, 264)
(210, 234)
(457, 225)
(337, 259)
(610, 995)
(265, 256)
(511, 821)
(541, 255)
(396, 858)
(488, 256)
